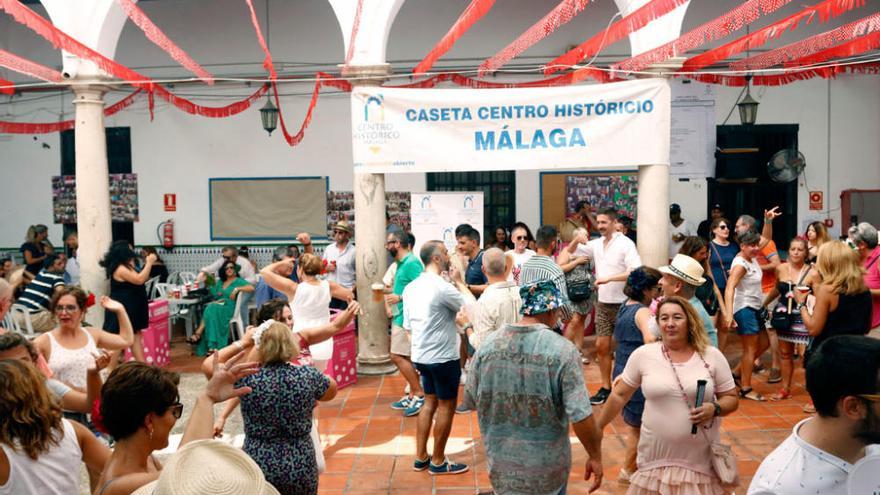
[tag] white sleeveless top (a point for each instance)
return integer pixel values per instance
(55, 472)
(71, 365)
(748, 293)
(311, 308)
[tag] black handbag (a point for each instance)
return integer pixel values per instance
(782, 313)
(579, 284)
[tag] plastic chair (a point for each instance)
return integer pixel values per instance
(20, 314)
(173, 278)
(162, 289)
(186, 277)
(10, 323)
(150, 287)
(236, 324)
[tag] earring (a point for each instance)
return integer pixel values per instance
(150, 433)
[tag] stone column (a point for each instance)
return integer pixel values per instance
(92, 192)
(653, 215)
(369, 238)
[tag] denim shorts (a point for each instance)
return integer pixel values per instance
(748, 322)
(441, 379)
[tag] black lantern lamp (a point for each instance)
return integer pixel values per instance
(269, 114)
(748, 106)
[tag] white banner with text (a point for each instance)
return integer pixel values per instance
(619, 125)
(435, 215)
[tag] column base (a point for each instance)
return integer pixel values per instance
(375, 366)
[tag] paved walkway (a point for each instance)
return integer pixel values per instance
(370, 448)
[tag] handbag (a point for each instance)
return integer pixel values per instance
(783, 312)
(579, 284)
(722, 458)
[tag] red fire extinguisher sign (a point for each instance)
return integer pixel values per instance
(171, 202)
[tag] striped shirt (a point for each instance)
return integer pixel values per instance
(38, 293)
(540, 268)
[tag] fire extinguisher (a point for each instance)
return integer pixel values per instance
(165, 232)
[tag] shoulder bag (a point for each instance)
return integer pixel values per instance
(722, 457)
(782, 313)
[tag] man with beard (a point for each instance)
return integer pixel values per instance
(430, 304)
(408, 269)
(843, 379)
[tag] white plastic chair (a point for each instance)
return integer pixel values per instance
(236, 324)
(20, 314)
(186, 277)
(10, 323)
(162, 289)
(150, 287)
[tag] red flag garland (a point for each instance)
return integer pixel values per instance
(564, 12)
(789, 77)
(154, 34)
(472, 13)
(811, 45)
(825, 11)
(848, 49)
(29, 128)
(267, 62)
(24, 66)
(468, 82)
(7, 87)
(631, 23)
(717, 28)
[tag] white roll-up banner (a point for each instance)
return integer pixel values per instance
(618, 125)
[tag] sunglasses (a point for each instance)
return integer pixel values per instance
(390, 242)
(870, 397)
(722, 227)
(520, 238)
(176, 410)
(70, 309)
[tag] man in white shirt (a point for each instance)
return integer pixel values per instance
(843, 379)
(430, 304)
(614, 256)
(679, 228)
(499, 304)
(340, 258)
(230, 253)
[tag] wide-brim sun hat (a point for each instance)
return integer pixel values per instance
(210, 467)
(686, 269)
(343, 226)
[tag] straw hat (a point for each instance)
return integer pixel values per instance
(686, 269)
(343, 226)
(209, 467)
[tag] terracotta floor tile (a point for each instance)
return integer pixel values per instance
(770, 423)
(340, 463)
(373, 464)
(372, 481)
(465, 480)
(335, 481)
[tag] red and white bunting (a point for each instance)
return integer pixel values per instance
(24, 66)
(472, 13)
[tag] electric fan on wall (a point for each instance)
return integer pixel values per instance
(786, 165)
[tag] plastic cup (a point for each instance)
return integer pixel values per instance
(378, 292)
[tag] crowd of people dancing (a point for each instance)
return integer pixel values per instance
(496, 329)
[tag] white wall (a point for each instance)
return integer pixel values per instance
(178, 153)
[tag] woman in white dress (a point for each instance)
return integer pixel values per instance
(309, 299)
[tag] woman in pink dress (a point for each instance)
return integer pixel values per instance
(671, 460)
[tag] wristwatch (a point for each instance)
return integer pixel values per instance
(717, 408)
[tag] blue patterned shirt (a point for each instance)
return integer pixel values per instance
(526, 384)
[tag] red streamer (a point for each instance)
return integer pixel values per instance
(267, 62)
(354, 31)
(789, 77)
(472, 13)
(811, 45)
(211, 112)
(31, 128)
(848, 49)
(7, 87)
(825, 10)
(717, 28)
(616, 32)
(154, 34)
(25, 66)
(564, 12)
(464, 81)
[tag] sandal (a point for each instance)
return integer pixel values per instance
(809, 408)
(194, 339)
(781, 395)
(737, 380)
(749, 393)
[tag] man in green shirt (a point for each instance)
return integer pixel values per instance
(399, 246)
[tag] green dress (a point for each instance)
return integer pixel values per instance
(217, 316)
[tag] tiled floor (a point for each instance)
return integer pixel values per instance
(370, 448)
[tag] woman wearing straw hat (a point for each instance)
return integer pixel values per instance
(140, 405)
(278, 413)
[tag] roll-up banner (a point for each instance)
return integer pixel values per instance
(618, 125)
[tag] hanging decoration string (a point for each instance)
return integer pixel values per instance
(472, 13)
(7, 87)
(564, 12)
(828, 72)
(154, 34)
(826, 10)
(30, 128)
(24, 66)
(354, 31)
(468, 82)
(857, 46)
(720, 27)
(629, 24)
(811, 45)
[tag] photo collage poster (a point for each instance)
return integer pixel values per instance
(340, 206)
(603, 191)
(123, 198)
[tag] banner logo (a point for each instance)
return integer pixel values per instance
(377, 103)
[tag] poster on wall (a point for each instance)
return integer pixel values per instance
(692, 133)
(603, 191)
(436, 214)
(340, 206)
(123, 198)
(440, 130)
